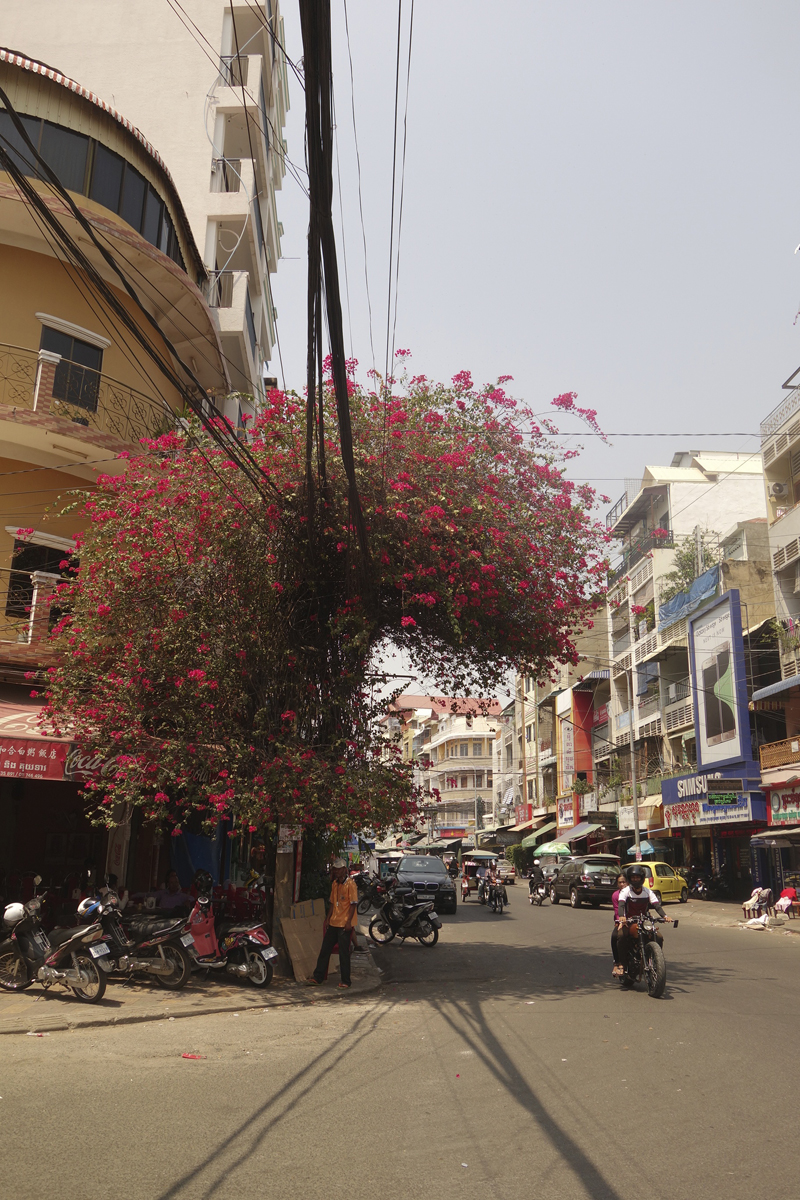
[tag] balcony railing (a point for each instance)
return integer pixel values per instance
(772, 423)
(780, 754)
(637, 550)
(648, 704)
(678, 691)
(104, 406)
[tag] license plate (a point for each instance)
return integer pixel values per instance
(99, 951)
(187, 940)
(605, 880)
(269, 953)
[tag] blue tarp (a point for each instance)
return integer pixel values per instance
(189, 852)
(684, 603)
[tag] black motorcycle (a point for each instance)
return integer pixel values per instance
(397, 917)
(154, 946)
(646, 957)
(371, 893)
(496, 898)
(537, 892)
(71, 958)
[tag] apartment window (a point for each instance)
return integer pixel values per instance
(530, 789)
(66, 154)
(465, 781)
(28, 558)
(259, 225)
(77, 376)
(528, 733)
(478, 780)
(464, 750)
(251, 324)
(107, 178)
(477, 749)
(489, 779)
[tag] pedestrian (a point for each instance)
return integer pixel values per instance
(338, 927)
(617, 968)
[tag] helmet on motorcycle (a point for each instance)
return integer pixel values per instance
(13, 913)
(89, 908)
(203, 882)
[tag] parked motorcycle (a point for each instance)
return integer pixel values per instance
(69, 958)
(646, 957)
(150, 945)
(238, 948)
(537, 893)
(371, 894)
(399, 918)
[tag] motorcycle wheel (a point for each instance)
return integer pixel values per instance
(14, 973)
(181, 964)
(655, 969)
(430, 938)
(95, 989)
(259, 971)
(684, 895)
(380, 930)
(364, 905)
(553, 896)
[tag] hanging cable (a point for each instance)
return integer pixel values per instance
(402, 182)
(360, 196)
(394, 177)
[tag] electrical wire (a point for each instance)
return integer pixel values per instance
(402, 182)
(394, 176)
(360, 195)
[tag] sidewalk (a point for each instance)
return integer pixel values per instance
(722, 914)
(125, 1002)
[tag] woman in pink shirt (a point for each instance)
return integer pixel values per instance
(621, 882)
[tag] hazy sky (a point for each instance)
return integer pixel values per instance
(600, 198)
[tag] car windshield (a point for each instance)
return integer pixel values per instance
(419, 865)
(600, 869)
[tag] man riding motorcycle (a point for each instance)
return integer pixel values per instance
(634, 901)
(536, 876)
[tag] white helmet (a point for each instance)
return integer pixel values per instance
(536, 862)
(13, 913)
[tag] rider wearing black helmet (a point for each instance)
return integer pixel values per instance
(635, 900)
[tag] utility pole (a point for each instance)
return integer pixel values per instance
(536, 745)
(698, 547)
(524, 742)
(636, 838)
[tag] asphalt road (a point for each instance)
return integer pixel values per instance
(504, 1058)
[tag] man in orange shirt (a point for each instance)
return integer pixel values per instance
(341, 919)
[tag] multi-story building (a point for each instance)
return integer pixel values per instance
(76, 393)
(210, 92)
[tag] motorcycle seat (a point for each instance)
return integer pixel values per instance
(225, 927)
(58, 936)
(144, 927)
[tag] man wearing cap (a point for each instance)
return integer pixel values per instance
(341, 919)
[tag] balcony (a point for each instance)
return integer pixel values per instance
(648, 704)
(780, 754)
(226, 175)
(637, 549)
(780, 414)
(679, 715)
(46, 384)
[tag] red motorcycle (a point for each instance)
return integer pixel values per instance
(238, 948)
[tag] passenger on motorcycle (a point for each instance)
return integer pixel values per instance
(635, 900)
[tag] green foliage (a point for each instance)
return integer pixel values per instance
(684, 570)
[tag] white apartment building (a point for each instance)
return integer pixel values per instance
(207, 86)
(780, 448)
(460, 753)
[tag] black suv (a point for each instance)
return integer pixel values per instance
(429, 878)
(592, 877)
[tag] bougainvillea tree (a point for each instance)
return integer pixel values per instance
(220, 640)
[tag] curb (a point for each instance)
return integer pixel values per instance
(296, 994)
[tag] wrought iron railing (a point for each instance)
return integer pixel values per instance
(109, 406)
(637, 550)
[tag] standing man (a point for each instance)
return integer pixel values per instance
(341, 920)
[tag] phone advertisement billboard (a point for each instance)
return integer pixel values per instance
(719, 685)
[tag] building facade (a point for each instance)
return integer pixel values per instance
(211, 92)
(76, 393)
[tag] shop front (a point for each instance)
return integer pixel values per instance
(715, 814)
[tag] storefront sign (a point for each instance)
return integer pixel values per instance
(522, 813)
(287, 836)
(29, 759)
(600, 715)
(646, 816)
(784, 808)
(567, 752)
(698, 812)
(565, 811)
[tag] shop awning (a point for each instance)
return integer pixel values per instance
(775, 688)
(777, 837)
(523, 825)
(578, 831)
(533, 838)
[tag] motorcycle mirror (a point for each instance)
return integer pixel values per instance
(675, 924)
(37, 879)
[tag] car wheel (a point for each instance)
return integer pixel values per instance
(553, 896)
(574, 899)
(684, 895)
(658, 896)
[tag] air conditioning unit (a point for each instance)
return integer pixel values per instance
(778, 490)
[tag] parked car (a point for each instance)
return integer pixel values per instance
(507, 872)
(665, 881)
(590, 877)
(429, 878)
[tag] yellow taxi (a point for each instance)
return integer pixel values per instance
(665, 881)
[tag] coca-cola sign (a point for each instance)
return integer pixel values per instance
(81, 766)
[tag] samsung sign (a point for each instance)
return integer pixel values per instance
(714, 797)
